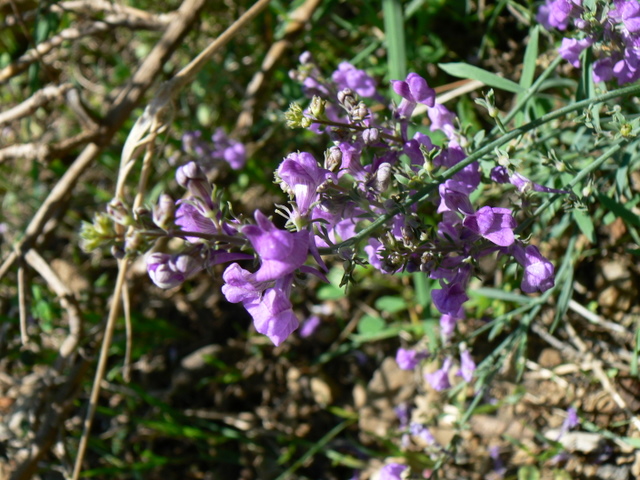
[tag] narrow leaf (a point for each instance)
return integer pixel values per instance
(464, 70)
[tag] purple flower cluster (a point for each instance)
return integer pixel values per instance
(221, 148)
(613, 30)
(371, 165)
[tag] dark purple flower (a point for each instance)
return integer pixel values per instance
(280, 252)
(303, 175)
(408, 359)
(603, 70)
(272, 314)
(454, 198)
(168, 271)
(439, 380)
(493, 223)
(449, 299)
(393, 471)
(538, 271)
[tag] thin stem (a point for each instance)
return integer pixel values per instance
(331, 123)
(424, 193)
(102, 366)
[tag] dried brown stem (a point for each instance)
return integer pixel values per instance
(37, 100)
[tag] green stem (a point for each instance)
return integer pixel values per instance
(424, 193)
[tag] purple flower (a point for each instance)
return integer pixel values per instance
(571, 49)
(168, 271)
(393, 471)
(272, 315)
(348, 76)
(447, 325)
(454, 198)
(439, 380)
(493, 223)
(191, 177)
(408, 359)
(555, 13)
(603, 70)
(413, 90)
(538, 271)
(228, 149)
(239, 285)
(280, 252)
(303, 175)
(467, 366)
(420, 430)
(190, 218)
(310, 326)
(449, 299)
(627, 11)
(442, 119)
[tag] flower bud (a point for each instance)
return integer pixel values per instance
(191, 177)
(333, 159)
(347, 99)
(164, 212)
(370, 135)
(359, 112)
(383, 177)
(119, 213)
(317, 107)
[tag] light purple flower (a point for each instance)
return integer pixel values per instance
(571, 49)
(627, 11)
(408, 359)
(467, 366)
(239, 285)
(420, 430)
(310, 326)
(538, 271)
(439, 380)
(555, 13)
(393, 471)
(493, 223)
(168, 271)
(442, 119)
(303, 175)
(272, 315)
(190, 218)
(348, 76)
(228, 149)
(280, 252)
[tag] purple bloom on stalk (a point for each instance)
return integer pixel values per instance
(571, 49)
(239, 285)
(413, 90)
(303, 175)
(555, 13)
(348, 76)
(628, 12)
(454, 198)
(272, 314)
(442, 119)
(603, 70)
(449, 299)
(538, 271)
(191, 219)
(408, 359)
(280, 252)
(467, 366)
(393, 471)
(439, 380)
(168, 271)
(228, 149)
(493, 223)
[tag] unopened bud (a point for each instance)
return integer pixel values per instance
(191, 177)
(164, 211)
(370, 135)
(347, 99)
(383, 177)
(333, 159)
(625, 130)
(359, 112)
(317, 107)
(119, 213)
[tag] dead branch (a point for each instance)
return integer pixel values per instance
(35, 101)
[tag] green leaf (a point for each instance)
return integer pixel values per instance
(619, 210)
(585, 224)
(394, 36)
(391, 304)
(530, 58)
(464, 70)
(370, 325)
(528, 472)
